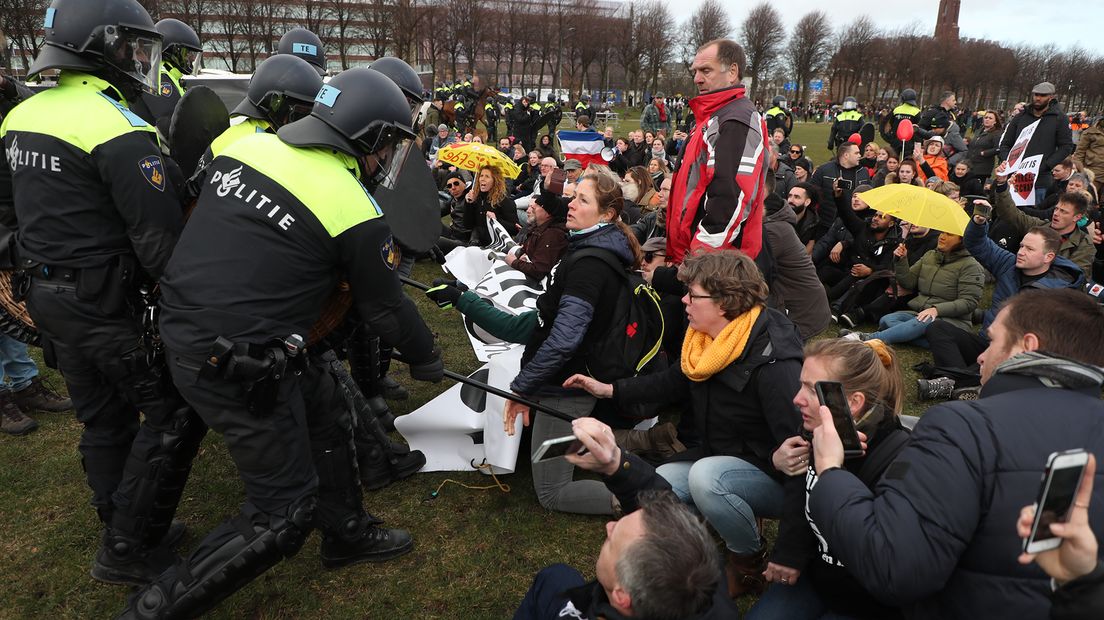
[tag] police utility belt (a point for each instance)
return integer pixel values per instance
(260, 367)
(112, 286)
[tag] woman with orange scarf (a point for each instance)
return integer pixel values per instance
(740, 366)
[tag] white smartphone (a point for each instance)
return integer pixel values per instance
(558, 447)
(1061, 479)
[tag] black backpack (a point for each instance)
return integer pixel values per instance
(636, 326)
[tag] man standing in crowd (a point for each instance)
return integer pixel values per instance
(936, 535)
(97, 220)
(722, 208)
(1052, 138)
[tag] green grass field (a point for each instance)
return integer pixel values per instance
(475, 550)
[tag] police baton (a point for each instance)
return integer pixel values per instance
(490, 389)
(412, 282)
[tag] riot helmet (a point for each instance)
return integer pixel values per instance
(779, 102)
(281, 91)
(112, 38)
(306, 45)
(180, 45)
(850, 103)
(585, 98)
(406, 78)
(551, 98)
(361, 113)
(908, 96)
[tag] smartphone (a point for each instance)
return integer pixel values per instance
(831, 395)
(1061, 479)
(558, 447)
(556, 180)
(984, 210)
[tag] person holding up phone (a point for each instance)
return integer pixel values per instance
(934, 533)
(813, 582)
(1077, 571)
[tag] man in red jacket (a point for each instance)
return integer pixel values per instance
(719, 187)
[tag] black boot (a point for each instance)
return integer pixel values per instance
(125, 561)
(360, 540)
(380, 467)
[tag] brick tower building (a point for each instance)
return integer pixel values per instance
(946, 23)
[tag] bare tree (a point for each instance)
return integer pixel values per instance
(377, 16)
(21, 21)
(316, 18)
(407, 18)
(229, 38)
(709, 22)
(762, 35)
(656, 38)
(808, 51)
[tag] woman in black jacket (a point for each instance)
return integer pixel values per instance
(983, 148)
(488, 200)
(574, 312)
(740, 363)
(811, 583)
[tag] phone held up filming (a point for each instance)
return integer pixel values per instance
(831, 395)
(1061, 479)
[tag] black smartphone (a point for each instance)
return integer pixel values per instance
(831, 395)
(1061, 479)
(558, 447)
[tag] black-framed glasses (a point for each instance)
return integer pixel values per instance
(650, 254)
(692, 296)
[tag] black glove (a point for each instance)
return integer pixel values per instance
(445, 293)
(437, 254)
(432, 370)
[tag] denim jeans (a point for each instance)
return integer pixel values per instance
(902, 326)
(799, 601)
(19, 368)
(730, 493)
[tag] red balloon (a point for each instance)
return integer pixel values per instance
(904, 130)
(855, 139)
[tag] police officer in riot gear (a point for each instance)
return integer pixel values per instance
(180, 49)
(778, 116)
(406, 78)
(848, 121)
(97, 222)
(306, 45)
(289, 214)
(583, 107)
(908, 110)
(552, 114)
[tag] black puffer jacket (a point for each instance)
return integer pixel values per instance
(982, 151)
(475, 217)
(573, 312)
(937, 535)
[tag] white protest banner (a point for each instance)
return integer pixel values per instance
(1022, 184)
(1015, 155)
(462, 427)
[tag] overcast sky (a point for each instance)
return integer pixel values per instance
(1007, 21)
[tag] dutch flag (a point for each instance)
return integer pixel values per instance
(585, 146)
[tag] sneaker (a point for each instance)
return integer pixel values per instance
(939, 388)
(12, 419)
(38, 397)
(376, 545)
(849, 319)
(835, 317)
(847, 334)
(391, 388)
(967, 393)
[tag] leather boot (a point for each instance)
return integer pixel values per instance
(658, 443)
(745, 572)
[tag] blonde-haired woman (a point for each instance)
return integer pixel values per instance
(488, 200)
(810, 582)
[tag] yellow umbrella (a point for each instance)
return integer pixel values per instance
(473, 156)
(918, 205)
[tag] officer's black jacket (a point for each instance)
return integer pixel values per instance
(87, 179)
(275, 229)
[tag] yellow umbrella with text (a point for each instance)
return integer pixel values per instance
(473, 156)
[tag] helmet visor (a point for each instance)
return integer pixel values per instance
(418, 117)
(391, 162)
(136, 53)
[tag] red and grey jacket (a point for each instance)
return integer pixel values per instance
(717, 197)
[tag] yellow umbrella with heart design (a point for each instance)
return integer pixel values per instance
(473, 156)
(919, 206)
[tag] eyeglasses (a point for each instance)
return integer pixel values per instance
(649, 255)
(692, 296)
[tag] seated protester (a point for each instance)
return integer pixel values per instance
(575, 311)
(457, 233)
(620, 163)
(795, 288)
(886, 167)
(582, 123)
(869, 159)
(659, 170)
(527, 191)
(784, 177)
(934, 535)
(639, 189)
(658, 151)
(813, 218)
(795, 156)
(929, 158)
(968, 184)
(948, 284)
(1076, 243)
(907, 172)
(442, 138)
(487, 199)
(812, 583)
(870, 252)
(530, 170)
(653, 223)
(740, 362)
(546, 239)
(658, 561)
(1075, 182)
(670, 304)
(545, 147)
(845, 167)
(802, 170)
(1035, 265)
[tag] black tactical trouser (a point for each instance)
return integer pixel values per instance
(136, 471)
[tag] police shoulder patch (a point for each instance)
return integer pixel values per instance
(166, 87)
(389, 252)
(154, 172)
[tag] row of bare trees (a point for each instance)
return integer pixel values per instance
(584, 45)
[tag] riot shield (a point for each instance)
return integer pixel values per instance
(199, 118)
